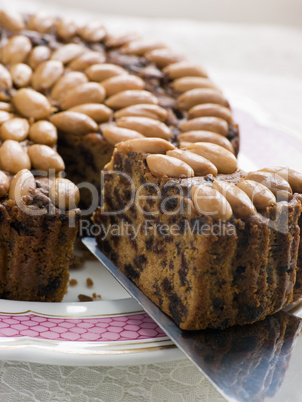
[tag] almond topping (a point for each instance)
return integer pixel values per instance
(98, 112)
(163, 57)
(241, 204)
(93, 31)
(185, 84)
(66, 28)
(15, 129)
(4, 116)
(260, 195)
(5, 79)
(223, 159)
(130, 97)
(293, 177)
(278, 186)
(211, 202)
(151, 111)
(101, 72)
(184, 69)
(214, 124)
(200, 95)
(22, 184)
(74, 123)
(90, 92)
(205, 136)
(45, 158)
(68, 52)
(122, 83)
(31, 103)
(43, 132)
(21, 74)
(146, 145)
(42, 22)
(163, 165)
(46, 74)
(11, 20)
(145, 126)
(200, 165)
(64, 194)
(113, 135)
(38, 55)
(211, 110)
(140, 47)
(13, 157)
(87, 59)
(66, 83)
(4, 184)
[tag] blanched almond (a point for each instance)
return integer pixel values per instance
(163, 57)
(163, 165)
(98, 112)
(4, 184)
(278, 186)
(64, 194)
(6, 107)
(66, 28)
(205, 136)
(147, 127)
(200, 165)
(11, 20)
(93, 31)
(140, 47)
(293, 177)
(151, 111)
(184, 69)
(31, 103)
(241, 204)
(38, 55)
(5, 78)
(120, 40)
(122, 83)
(146, 145)
(211, 202)
(13, 157)
(260, 195)
(66, 83)
(16, 50)
(101, 72)
(47, 74)
(214, 124)
(211, 110)
(45, 158)
(200, 95)
(90, 92)
(131, 97)
(22, 184)
(68, 52)
(43, 132)
(15, 129)
(74, 122)
(114, 135)
(185, 84)
(21, 74)
(87, 59)
(4, 116)
(42, 21)
(224, 160)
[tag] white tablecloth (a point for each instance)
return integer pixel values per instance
(257, 61)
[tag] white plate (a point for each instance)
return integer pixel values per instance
(115, 330)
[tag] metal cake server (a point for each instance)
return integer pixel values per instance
(250, 363)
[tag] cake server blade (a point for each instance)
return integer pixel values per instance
(250, 363)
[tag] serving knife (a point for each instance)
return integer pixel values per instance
(248, 363)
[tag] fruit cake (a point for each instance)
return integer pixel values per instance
(211, 245)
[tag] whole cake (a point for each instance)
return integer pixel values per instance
(74, 99)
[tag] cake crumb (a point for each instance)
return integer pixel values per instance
(84, 298)
(73, 282)
(89, 282)
(96, 296)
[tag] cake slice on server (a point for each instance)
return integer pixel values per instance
(211, 245)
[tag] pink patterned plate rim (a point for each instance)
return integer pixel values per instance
(115, 330)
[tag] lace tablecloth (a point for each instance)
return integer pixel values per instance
(260, 62)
